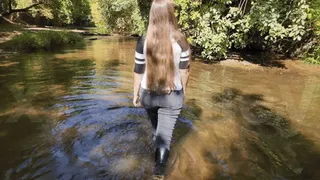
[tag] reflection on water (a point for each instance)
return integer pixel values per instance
(68, 115)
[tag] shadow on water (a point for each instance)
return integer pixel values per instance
(30, 87)
(265, 59)
(251, 141)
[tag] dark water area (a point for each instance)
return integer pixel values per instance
(68, 115)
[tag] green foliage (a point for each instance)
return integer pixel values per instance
(216, 26)
(4, 5)
(121, 16)
(282, 23)
(43, 40)
(75, 12)
(60, 11)
(312, 54)
(139, 23)
(144, 8)
(97, 17)
(314, 13)
(219, 25)
(313, 57)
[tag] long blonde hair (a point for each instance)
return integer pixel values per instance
(163, 27)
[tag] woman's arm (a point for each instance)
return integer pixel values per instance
(184, 69)
(136, 89)
(139, 69)
(184, 73)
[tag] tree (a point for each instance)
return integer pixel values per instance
(219, 25)
(74, 12)
(7, 7)
(144, 8)
(121, 16)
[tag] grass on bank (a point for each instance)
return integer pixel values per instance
(42, 41)
(10, 27)
(313, 57)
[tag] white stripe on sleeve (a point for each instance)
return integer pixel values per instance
(139, 62)
(140, 56)
(184, 59)
(185, 54)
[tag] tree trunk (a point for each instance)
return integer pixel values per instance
(10, 5)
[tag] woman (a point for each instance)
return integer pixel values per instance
(160, 76)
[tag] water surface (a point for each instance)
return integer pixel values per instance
(68, 115)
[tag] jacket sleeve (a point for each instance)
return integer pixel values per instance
(140, 57)
(184, 59)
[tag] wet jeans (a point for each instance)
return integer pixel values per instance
(163, 111)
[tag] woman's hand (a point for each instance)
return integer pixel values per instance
(184, 74)
(136, 101)
(136, 89)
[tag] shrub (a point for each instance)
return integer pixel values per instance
(313, 57)
(43, 40)
(219, 25)
(312, 53)
(121, 16)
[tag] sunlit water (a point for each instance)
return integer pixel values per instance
(68, 115)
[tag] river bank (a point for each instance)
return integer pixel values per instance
(251, 60)
(248, 61)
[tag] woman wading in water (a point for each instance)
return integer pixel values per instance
(160, 76)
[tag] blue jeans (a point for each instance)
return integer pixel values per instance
(163, 112)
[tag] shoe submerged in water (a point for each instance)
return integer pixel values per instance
(161, 158)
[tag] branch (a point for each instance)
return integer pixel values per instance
(21, 10)
(7, 20)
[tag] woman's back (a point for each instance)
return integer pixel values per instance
(180, 58)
